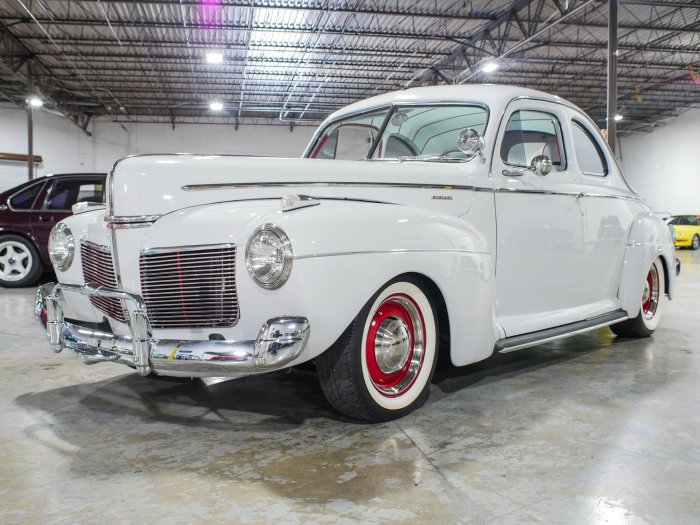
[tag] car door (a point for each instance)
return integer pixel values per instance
(538, 220)
(59, 197)
(607, 217)
(18, 214)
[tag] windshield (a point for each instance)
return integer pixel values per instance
(411, 132)
(685, 220)
(428, 132)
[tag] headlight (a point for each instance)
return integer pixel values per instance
(61, 247)
(268, 256)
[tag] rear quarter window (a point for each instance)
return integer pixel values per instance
(24, 200)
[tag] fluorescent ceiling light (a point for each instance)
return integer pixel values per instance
(490, 67)
(216, 106)
(36, 102)
(618, 117)
(215, 57)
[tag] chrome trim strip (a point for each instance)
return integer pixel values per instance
(242, 185)
(188, 248)
(445, 187)
(576, 194)
(131, 219)
(509, 349)
(374, 252)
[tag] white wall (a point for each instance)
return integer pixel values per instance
(663, 167)
(62, 145)
(65, 148)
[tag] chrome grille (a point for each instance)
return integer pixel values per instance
(190, 287)
(98, 268)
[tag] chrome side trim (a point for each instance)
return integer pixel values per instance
(444, 187)
(126, 222)
(518, 342)
(374, 252)
(188, 248)
(243, 185)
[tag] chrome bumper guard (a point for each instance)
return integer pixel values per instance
(279, 342)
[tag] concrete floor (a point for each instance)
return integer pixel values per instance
(591, 430)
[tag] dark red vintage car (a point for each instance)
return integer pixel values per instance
(27, 214)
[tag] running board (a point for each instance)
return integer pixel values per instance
(510, 344)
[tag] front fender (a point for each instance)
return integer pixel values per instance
(344, 252)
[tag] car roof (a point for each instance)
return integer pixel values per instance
(490, 94)
(44, 178)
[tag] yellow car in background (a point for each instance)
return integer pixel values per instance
(687, 231)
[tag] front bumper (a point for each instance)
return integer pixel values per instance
(279, 342)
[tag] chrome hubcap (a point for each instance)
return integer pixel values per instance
(15, 261)
(392, 345)
(650, 296)
(395, 345)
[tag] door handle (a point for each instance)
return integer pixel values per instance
(513, 173)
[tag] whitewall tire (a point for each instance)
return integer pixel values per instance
(381, 367)
(650, 309)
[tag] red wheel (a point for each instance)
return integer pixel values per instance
(644, 324)
(381, 367)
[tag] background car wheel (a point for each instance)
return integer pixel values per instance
(19, 262)
(696, 242)
(380, 368)
(650, 312)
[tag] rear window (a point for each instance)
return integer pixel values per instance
(685, 220)
(24, 200)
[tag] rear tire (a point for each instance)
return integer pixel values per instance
(381, 366)
(650, 310)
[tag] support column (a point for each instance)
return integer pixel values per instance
(612, 74)
(30, 121)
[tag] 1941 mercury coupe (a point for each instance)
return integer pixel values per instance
(452, 220)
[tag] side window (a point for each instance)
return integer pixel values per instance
(349, 139)
(65, 193)
(588, 153)
(353, 142)
(24, 200)
(532, 133)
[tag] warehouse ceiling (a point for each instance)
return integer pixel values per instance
(296, 61)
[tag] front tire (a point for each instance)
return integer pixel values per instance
(696, 242)
(20, 264)
(650, 310)
(381, 367)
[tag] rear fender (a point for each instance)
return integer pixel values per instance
(648, 239)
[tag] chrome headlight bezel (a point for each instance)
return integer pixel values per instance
(284, 267)
(61, 236)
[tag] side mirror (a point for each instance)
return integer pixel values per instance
(471, 143)
(541, 165)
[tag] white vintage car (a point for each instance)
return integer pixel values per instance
(455, 220)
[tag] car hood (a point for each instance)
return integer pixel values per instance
(160, 184)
